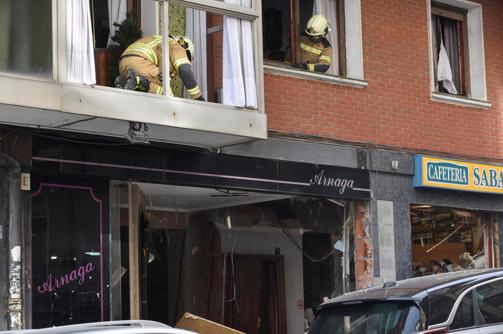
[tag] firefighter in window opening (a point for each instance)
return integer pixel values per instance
(140, 65)
(315, 49)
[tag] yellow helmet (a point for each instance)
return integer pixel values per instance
(188, 45)
(317, 26)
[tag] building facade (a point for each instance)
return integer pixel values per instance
(286, 187)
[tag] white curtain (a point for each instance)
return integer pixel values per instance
(116, 14)
(328, 8)
(80, 48)
(239, 88)
(195, 29)
(444, 70)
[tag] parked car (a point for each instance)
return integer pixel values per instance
(458, 302)
(109, 327)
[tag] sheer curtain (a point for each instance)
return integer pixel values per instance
(328, 8)
(80, 48)
(239, 88)
(116, 13)
(450, 42)
(444, 56)
(195, 29)
(444, 70)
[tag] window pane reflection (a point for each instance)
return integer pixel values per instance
(26, 37)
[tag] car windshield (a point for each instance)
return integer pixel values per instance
(368, 318)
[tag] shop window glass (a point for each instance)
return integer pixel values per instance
(490, 302)
(67, 256)
(26, 37)
(450, 240)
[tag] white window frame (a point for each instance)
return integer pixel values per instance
(55, 102)
(252, 14)
(354, 53)
(476, 58)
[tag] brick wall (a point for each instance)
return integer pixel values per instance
(395, 109)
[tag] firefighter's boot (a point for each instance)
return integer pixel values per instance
(134, 81)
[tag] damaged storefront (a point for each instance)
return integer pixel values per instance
(152, 233)
(446, 239)
(450, 239)
(434, 215)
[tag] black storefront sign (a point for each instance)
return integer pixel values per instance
(207, 169)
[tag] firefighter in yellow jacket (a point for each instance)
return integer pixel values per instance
(140, 65)
(315, 50)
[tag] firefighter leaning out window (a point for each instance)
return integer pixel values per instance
(140, 65)
(315, 49)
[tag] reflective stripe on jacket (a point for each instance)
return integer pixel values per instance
(148, 47)
(314, 53)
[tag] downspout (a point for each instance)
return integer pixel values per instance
(14, 303)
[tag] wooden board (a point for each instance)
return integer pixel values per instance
(203, 326)
(135, 202)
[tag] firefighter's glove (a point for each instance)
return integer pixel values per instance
(301, 65)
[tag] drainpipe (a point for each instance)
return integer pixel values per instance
(14, 301)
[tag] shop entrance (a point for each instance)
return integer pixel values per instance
(447, 239)
(256, 294)
(251, 261)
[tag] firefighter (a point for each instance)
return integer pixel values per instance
(140, 65)
(315, 50)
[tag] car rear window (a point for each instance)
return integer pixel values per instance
(368, 318)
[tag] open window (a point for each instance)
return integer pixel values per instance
(284, 22)
(457, 53)
(223, 67)
(450, 49)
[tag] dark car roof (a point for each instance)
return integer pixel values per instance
(417, 288)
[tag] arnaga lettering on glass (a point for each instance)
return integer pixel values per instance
(457, 175)
(340, 183)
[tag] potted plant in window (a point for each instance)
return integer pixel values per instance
(128, 31)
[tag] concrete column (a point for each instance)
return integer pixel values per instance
(385, 222)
